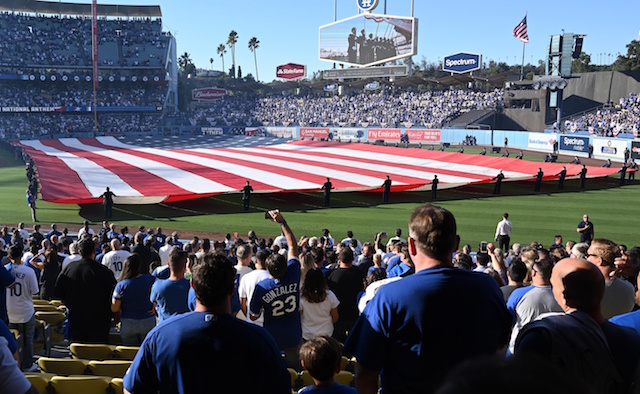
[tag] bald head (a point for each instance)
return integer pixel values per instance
(115, 244)
(578, 285)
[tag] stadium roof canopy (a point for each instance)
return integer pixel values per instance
(61, 8)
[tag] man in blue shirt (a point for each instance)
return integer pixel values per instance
(170, 295)
(208, 350)
(416, 329)
(279, 297)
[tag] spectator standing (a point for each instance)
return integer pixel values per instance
(249, 282)
(278, 297)
(346, 282)
(321, 357)
(396, 333)
(20, 305)
(170, 295)
(318, 306)
(180, 352)
(114, 260)
(619, 294)
(131, 299)
(85, 287)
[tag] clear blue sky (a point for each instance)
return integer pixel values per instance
(288, 30)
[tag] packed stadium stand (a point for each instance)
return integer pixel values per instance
(46, 69)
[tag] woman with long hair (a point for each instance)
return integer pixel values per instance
(50, 269)
(318, 305)
(131, 298)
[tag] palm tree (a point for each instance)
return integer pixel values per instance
(253, 46)
(186, 64)
(221, 51)
(211, 61)
(231, 42)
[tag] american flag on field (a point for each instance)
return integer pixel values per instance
(521, 31)
(77, 171)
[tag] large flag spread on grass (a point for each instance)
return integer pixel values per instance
(76, 171)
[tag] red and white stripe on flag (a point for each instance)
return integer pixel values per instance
(520, 31)
(77, 171)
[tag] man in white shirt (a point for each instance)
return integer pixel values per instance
(163, 252)
(85, 229)
(503, 232)
(24, 234)
(20, 305)
(114, 260)
(248, 284)
(243, 253)
(73, 255)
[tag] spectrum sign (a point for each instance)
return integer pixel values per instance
(462, 62)
(291, 71)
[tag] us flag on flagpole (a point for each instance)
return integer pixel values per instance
(521, 31)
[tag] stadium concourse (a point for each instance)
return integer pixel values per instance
(179, 171)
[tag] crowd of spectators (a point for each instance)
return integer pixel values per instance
(339, 278)
(37, 94)
(66, 41)
(37, 125)
(423, 109)
(623, 117)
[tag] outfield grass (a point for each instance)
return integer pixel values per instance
(538, 217)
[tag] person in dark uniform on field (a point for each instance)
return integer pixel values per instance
(386, 192)
(31, 201)
(483, 152)
(434, 187)
(108, 203)
(498, 178)
(538, 180)
(562, 175)
(633, 168)
(583, 176)
(246, 195)
(520, 155)
(623, 173)
(327, 192)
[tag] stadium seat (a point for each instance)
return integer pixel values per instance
(294, 377)
(88, 351)
(306, 378)
(114, 339)
(38, 301)
(117, 385)
(45, 307)
(80, 384)
(344, 377)
(40, 381)
(126, 352)
(63, 366)
(15, 333)
(53, 325)
(112, 368)
(55, 303)
(344, 362)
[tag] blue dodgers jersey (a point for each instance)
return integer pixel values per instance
(280, 301)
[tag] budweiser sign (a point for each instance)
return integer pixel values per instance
(291, 71)
(208, 94)
(423, 135)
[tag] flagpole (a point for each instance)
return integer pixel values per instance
(522, 65)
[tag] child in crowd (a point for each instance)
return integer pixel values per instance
(321, 356)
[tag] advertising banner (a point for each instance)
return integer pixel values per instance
(609, 148)
(212, 131)
(635, 150)
(418, 135)
(281, 132)
(462, 62)
(346, 133)
(384, 134)
(541, 142)
(208, 94)
(291, 71)
(573, 144)
(314, 132)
